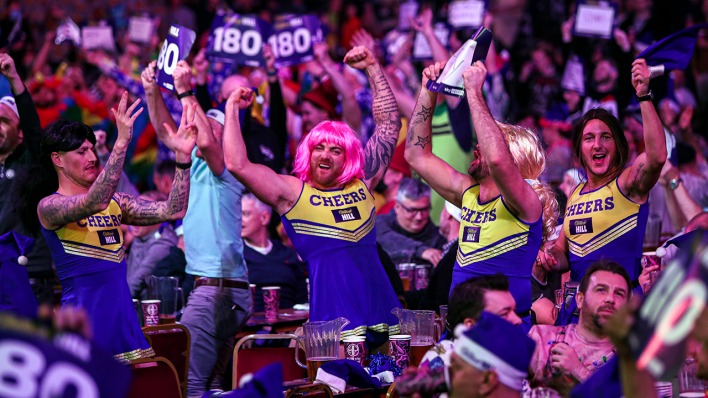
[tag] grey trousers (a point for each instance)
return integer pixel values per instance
(213, 323)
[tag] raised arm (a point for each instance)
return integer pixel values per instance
(445, 180)
(517, 193)
(138, 211)
(351, 113)
(29, 119)
(277, 191)
(206, 142)
(379, 149)
(159, 115)
(57, 210)
(645, 172)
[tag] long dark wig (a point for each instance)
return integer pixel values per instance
(621, 155)
(40, 179)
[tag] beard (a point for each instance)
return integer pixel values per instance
(597, 319)
(479, 171)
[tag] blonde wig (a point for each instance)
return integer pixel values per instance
(530, 158)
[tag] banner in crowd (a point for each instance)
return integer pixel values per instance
(467, 14)
(98, 37)
(34, 363)
(140, 30)
(293, 39)
(667, 316)
(406, 11)
(421, 47)
(450, 81)
(238, 39)
(176, 48)
(595, 18)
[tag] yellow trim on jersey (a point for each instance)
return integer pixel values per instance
(611, 214)
(346, 214)
(499, 230)
(83, 238)
(381, 328)
(327, 232)
(607, 237)
(492, 251)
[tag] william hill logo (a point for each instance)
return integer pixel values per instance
(109, 237)
(344, 215)
(581, 226)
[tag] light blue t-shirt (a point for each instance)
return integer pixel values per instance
(212, 225)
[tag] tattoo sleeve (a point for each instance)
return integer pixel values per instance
(138, 211)
(420, 124)
(379, 149)
(60, 210)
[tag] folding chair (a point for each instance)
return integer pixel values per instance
(173, 342)
(154, 378)
(250, 360)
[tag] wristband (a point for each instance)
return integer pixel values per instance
(184, 166)
(648, 97)
(185, 94)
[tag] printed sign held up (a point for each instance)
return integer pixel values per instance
(595, 19)
(237, 39)
(176, 48)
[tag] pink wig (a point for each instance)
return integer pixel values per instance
(333, 133)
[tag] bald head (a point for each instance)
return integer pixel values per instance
(230, 84)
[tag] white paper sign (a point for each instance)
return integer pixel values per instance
(140, 30)
(466, 14)
(407, 10)
(421, 47)
(98, 37)
(594, 20)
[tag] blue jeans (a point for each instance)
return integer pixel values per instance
(213, 323)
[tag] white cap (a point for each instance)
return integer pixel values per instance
(9, 101)
(216, 115)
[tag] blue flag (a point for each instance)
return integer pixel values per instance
(675, 51)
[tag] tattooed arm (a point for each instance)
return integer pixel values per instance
(639, 179)
(138, 211)
(379, 149)
(517, 193)
(446, 181)
(57, 210)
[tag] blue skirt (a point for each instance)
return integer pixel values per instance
(106, 298)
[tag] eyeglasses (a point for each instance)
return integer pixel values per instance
(414, 212)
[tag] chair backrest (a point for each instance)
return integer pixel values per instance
(173, 342)
(154, 378)
(250, 360)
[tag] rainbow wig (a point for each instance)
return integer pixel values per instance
(335, 133)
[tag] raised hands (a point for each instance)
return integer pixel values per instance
(474, 77)
(183, 141)
(202, 66)
(242, 98)
(360, 57)
(148, 76)
(124, 120)
(182, 74)
(432, 72)
(7, 69)
(640, 77)
(362, 38)
(423, 23)
(270, 59)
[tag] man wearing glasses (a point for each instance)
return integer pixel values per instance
(407, 234)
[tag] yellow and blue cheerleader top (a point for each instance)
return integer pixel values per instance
(90, 260)
(334, 232)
